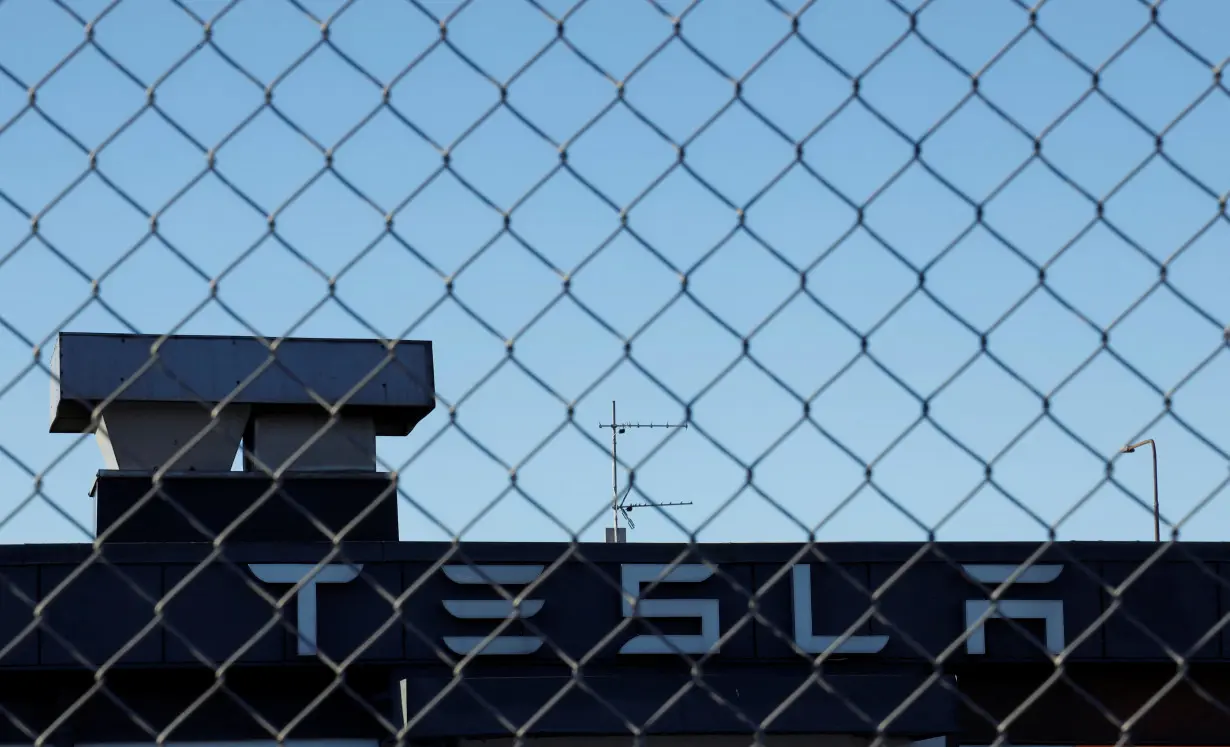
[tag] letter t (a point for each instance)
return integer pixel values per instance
(293, 573)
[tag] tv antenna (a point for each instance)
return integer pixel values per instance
(619, 504)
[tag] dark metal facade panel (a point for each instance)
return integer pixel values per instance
(102, 611)
(191, 368)
(90, 367)
(1172, 608)
(299, 509)
(18, 594)
(278, 696)
(730, 702)
(1223, 605)
(359, 617)
(199, 626)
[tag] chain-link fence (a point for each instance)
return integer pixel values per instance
(906, 271)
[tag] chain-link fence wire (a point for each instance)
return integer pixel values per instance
(1032, 29)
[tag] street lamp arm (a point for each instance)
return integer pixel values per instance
(1157, 511)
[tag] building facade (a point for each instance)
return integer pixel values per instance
(264, 605)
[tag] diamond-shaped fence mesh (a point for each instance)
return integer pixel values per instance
(919, 272)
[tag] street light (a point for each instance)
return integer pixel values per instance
(1157, 513)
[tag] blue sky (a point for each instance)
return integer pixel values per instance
(921, 278)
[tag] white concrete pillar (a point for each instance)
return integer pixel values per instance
(146, 436)
(349, 443)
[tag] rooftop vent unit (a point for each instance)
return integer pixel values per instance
(181, 406)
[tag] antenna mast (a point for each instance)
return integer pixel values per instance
(617, 533)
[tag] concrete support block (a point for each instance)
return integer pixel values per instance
(348, 444)
(147, 436)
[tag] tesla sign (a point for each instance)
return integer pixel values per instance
(705, 613)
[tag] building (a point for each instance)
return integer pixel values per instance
(214, 606)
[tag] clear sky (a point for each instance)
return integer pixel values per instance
(920, 279)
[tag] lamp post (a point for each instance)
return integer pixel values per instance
(1157, 513)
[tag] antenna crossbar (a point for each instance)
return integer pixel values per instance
(623, 426)
(630, 506)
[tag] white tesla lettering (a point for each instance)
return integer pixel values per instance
(293, 573)
(1050, 611)
(704, 610)
(492, 609)
(816, 644)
